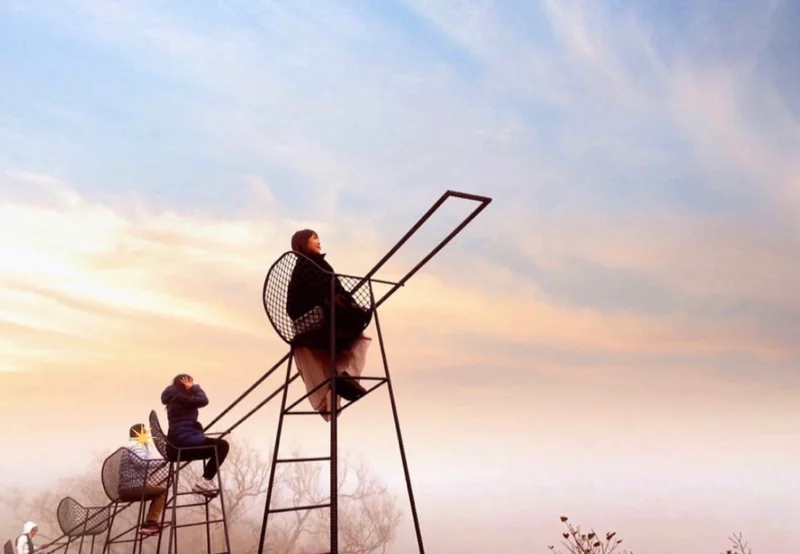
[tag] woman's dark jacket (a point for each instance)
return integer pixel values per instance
(182, 411)
(309, 287)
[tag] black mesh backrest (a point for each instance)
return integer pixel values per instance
(293, 267)
(159, 438)
(124, 471)
(76, 520)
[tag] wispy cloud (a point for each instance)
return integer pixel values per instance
(643, 161)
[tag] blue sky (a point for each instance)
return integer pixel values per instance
(642, 243)
(178, 101)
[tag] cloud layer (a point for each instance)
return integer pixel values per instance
(642, 245)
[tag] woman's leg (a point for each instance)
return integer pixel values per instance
(222, 449)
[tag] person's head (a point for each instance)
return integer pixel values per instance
(137, 430)
(180, 379)
(30, 529)
(306, 242)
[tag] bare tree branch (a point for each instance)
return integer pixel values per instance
(577, 542)
(740, 546)
(368, 513)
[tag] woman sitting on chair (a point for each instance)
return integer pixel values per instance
(183, 398)
(308, 303)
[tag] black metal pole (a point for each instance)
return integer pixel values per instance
(433, 252)
(173, 529)
(397, 425)
(222, 505)
(276, 448)
(334, 413)
(248, 391)
(455, 194)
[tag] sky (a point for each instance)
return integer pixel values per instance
(613, 339)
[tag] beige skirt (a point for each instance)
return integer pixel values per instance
(313, 365)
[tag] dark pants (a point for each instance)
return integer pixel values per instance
(202, 452)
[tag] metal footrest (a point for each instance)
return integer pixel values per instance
(293, 460)
(378, 380)
(299, 508)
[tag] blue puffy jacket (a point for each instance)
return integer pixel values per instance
(182, 411)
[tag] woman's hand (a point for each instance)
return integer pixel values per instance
(187, 382)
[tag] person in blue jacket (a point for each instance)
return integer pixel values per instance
(183, 399)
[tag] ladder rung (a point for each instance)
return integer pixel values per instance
(187, 505)
(316, 459)
(199, 523)
(298, 508)
(379, 382)
(209, 491)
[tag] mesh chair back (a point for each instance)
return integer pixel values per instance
(124, 471)
(77, 520)
(292, 267)
(159, 437)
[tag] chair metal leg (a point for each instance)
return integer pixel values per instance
(397, 427)
(275, 451)
(170, 478)
(222, 506)
(107, 545)
(173, 529)
(208, 525)
(333, 408)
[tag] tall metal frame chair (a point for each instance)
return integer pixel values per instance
(483, 202)
(311, 328)
(129, 479)
(163, 445)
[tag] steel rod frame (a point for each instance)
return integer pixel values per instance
(483, 202)
(334, 409)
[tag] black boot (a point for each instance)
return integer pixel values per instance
(348, 388)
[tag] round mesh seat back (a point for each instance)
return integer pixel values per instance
(125, 474)
(295, 275)
(110, 475)
(76, 520)
(159, 437)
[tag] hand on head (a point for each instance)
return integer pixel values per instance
(187, 382)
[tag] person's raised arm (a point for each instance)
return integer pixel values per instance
(195, 397)
(186, 394)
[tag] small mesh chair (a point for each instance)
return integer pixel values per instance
(127, 478)
(79, 522)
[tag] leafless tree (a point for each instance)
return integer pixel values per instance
(577, 542)
(368, 513)
(740, 545)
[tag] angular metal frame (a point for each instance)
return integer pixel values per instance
(331, 381)
(483, 202)
(151, 467)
